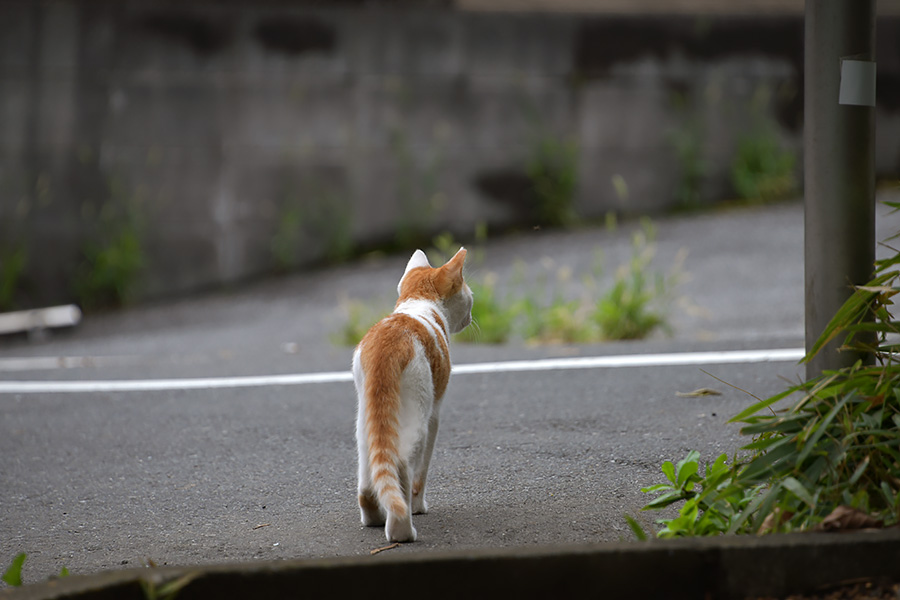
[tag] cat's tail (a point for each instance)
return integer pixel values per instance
(387, 468)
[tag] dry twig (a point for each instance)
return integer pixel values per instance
(391, 547)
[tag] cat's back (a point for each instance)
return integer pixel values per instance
(387, 345)
(393, 343)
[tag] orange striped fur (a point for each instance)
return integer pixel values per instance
(401, 369)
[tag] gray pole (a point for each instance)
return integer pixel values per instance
(839, 170)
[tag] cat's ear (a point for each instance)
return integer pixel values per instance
(458, 260)
(417, 260)
(450, 277)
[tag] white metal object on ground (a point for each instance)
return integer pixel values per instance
(67, 315)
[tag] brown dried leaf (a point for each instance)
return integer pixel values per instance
(769, 523)
(699, 393)
(844, 518)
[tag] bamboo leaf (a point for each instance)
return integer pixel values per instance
(764, 443)
(766, 505)
(851, 312)
(786, 424)
(823, 427)
(860, 469)
(761, 467)
(795, 487)
(758, 406)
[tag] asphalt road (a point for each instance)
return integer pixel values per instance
(100, 480)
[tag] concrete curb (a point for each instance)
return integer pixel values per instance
(724, 567)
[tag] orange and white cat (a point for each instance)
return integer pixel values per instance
(401, 369)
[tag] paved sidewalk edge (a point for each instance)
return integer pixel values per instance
(724, 567)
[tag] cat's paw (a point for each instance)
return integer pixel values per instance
(370, 511)
(372, 520)
(419, 505)
(400, 530)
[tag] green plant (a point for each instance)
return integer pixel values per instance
(12, 266)
(687, 140)
(711, 505)
(13, 574)
(360, 317)
(313, 215)
(634, 306)
(559, 322)
(418, 188)
(288, 237)
(111, 262)
(168, 589)
(445, 245)
(836, 450)
(762, 170)
(540, 311)
(688, 145)
(492, 321)
(552, 170)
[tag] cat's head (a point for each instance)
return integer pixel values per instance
(444, 284)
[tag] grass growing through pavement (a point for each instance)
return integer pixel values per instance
(13, 574)
(762, 170)
(830, 461)
(547, 303)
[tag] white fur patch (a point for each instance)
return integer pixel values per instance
(422, 311)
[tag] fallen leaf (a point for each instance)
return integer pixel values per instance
(875, 400)
(698, 393)
(769, 523)
(845, 518)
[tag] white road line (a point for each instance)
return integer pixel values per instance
(636, 360)
(593, 362)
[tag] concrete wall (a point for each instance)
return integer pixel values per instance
(235, 137)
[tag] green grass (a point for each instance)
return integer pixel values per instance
(359, 318)
(491, 324)
(108, 273)
(13, 574)
(542, 304)
(113, 258)
(12, 268)
(553, 172)
(762, 170)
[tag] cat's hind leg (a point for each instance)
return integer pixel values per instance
(370, 511)
(399, 527)
(419, 504)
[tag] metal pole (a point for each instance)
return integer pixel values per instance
(839, 170)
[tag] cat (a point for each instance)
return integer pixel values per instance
(401, 368)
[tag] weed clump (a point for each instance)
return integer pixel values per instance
(831, 460)
(539, 305)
